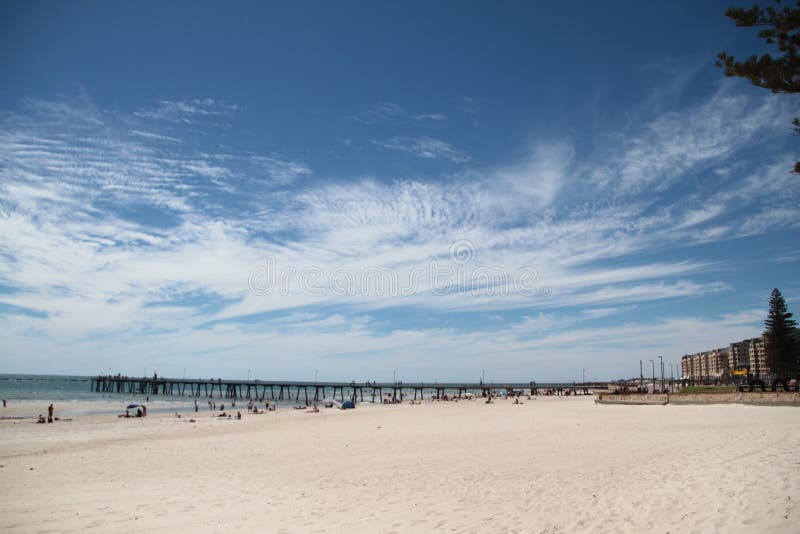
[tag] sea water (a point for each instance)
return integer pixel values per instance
(72, 395)
(51, 388)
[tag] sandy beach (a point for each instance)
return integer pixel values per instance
(548, 465)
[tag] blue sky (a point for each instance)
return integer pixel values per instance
(528, 189)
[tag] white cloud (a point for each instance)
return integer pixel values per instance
(535, 181)
(151, 135)
(675, 143)
(436, 117)
(282, 170)
(112, 282)
(188, 111)
(379, 112)
(426, 148)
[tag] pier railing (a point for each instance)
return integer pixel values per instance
(316, 391)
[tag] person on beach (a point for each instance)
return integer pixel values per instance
(4, 403)
(41, 419)
(50, 411)
(144, 410)
(238, 415)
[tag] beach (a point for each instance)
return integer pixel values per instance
(548, 465)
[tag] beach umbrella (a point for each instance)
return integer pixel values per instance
(132, 406)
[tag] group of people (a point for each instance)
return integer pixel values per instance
(50, 411)
(141, 411)
(314, 408)
(229, 416)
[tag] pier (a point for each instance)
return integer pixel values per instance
(317, 391)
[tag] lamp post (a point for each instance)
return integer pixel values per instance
(670, 374)
(641, 375)
(670, 378)
(654, 375)
(661, 362)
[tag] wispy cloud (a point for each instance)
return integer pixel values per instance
(678, 142)
(126, 239)
(151, 135)
(379, 112)
(426, 148)
(436, 117)
(282, 170)
(187, 111)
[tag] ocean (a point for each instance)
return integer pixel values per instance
(72, 395)
(50, 388)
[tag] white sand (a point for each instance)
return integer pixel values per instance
(556, 464)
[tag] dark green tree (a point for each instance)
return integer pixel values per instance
(780, 73)
(781, 338)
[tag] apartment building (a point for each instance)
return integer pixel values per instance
(758, 357)
(749, 354)
(739, 355)
(718, 363)
(707, 365)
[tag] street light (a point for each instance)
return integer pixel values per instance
(654, 375)
(641, 375)
(670, 377)
(661, 360)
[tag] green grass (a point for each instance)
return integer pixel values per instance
(709, 389)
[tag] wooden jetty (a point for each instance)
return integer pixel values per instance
(315, 391)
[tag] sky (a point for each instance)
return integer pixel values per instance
(360, 190)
